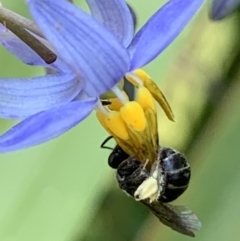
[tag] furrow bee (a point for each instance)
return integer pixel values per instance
(167, 179)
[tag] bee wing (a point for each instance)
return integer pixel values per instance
(179, 218)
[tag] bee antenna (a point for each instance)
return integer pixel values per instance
(105, 141)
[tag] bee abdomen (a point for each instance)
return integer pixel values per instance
(179, 178)
(177, 174)
(176, 185)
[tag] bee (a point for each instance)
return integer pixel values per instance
(167, 179)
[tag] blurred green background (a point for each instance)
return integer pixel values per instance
(65, 191)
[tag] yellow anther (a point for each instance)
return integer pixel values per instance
(159, 97)
(153, 128)
(126, 146)
(116, 104)
(139, 143)
(133, 115)
(137, 78)
(133, 124)
(145, 99)
(155, 91)
(116, 125)
(141, 74)
(101, 118)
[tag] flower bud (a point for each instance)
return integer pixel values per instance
(223, 8)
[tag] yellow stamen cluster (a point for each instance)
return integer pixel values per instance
(134, 123)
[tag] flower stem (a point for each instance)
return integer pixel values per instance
(18, 26)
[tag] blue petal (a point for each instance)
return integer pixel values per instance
(90, 50)
(223, 8)
(160, 30)
(45, 125)
(22, 51)
(20, 98)
(115, 16)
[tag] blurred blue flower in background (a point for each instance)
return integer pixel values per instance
(223, 8)
(94, 53)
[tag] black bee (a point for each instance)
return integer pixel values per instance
(166, 181)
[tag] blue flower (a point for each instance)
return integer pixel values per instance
(223, 8)
(94, 53)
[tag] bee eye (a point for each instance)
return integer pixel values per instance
(117, 156)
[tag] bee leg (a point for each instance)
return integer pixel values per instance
(145, 164)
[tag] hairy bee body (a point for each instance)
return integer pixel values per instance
(167, 179)
(170, 172)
